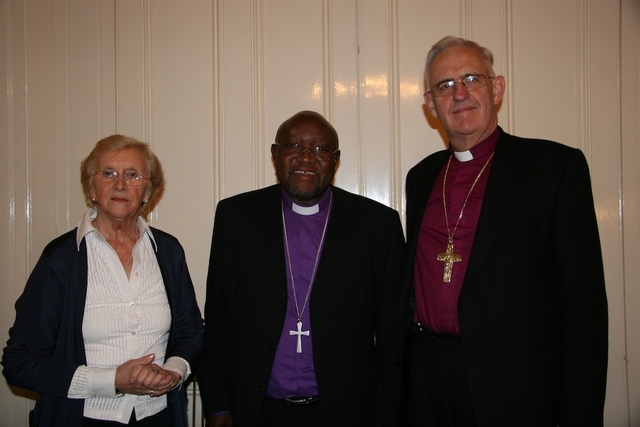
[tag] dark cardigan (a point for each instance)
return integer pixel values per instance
(46, 344)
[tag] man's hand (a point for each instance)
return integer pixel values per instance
(223, 420)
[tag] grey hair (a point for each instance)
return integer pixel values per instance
(452, 41)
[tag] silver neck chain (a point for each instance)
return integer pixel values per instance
(299, 312)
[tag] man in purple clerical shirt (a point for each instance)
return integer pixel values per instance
(504, 255)
(303, 318)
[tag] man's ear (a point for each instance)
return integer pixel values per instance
(428, 101)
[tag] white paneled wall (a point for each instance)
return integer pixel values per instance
(207, 83)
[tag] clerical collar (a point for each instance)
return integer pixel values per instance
(307, 210)
(479, 150)
(463, 156)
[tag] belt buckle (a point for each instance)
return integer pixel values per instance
(302, 401)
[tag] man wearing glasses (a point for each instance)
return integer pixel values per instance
(302, 322)
(510, 321)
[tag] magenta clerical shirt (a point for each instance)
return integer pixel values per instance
(293, 374)
(437, 301)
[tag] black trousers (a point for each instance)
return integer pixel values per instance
(438, 386)
(278, 413)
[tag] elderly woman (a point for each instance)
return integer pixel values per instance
(108, 328)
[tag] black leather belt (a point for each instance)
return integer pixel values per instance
(302, 401)
(421, 330)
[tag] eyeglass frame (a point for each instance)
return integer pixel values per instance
(459, 81)
(311, 151)
(135, 182)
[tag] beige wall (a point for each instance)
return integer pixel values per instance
(207, 82)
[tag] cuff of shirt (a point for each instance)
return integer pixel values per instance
(101, 382)
(179, 366)
(92, 382)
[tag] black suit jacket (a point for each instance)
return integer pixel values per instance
(355, 297)
(533, 309)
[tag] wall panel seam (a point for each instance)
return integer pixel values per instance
(257, 76)
(27, 145)
(218, 99)
(507, 49)
(148, 88)
(395, 178)
(358, 93)
(465, 21)
(583, 78)
(328, 90)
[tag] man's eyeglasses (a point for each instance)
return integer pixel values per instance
(471, 82)
(293, 149)
(131, 177)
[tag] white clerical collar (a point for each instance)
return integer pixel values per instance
(463, 156)
(305, 210)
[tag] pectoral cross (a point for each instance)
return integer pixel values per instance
(449, 257)
(299, 333)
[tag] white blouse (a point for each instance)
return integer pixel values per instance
(124, 319)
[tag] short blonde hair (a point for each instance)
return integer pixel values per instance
(115, 143)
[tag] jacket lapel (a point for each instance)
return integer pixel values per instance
(268, 234)
(339, 229)
(502, 185)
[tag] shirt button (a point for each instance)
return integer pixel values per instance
(133, 333)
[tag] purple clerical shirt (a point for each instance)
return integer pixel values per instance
(437, 301)
(293, 373)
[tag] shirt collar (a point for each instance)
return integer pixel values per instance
(85, 227)
(306, 210)
(479, 150)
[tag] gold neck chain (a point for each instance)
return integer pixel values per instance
(449, 256)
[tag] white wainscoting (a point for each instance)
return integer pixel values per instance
(207, 83)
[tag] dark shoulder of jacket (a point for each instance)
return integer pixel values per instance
(252, 196)
(428, 162)
(64, 242)
(533, 146)
(360, 202)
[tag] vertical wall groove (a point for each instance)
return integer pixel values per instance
(10, 170)
(148, 84)
(115, 66)
(218, 99)
(395, 175)
(583, 78)
(627, 308)
(465, 21)
(358, 95)
(507, 49)
(328, 86)
(28, 202)
(148, 89)
(257, 71)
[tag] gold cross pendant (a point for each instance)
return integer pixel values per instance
(448, 257)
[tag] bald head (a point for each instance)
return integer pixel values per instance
(307, 116)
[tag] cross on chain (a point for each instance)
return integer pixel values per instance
(449, 257)
(299, 333)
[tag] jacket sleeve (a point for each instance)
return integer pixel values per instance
(213, 368)
(583, 299)
(390, 324)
